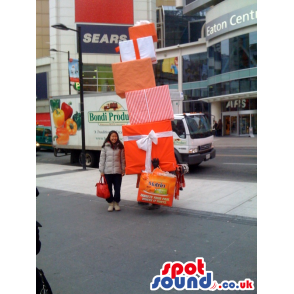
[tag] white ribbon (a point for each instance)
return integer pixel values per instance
(144, 142)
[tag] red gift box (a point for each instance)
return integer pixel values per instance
(163, 150)
(148, 105)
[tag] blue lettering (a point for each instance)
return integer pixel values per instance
(225, 285)
(179, 284)
(205, 282)
(232, 285)
(166, 283)
(155, 284)
(195, 283)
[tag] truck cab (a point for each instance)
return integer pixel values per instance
(44, 137)
(193, 138)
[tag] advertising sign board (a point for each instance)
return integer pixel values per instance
(102, 38)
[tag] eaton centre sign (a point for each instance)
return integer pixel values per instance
(234, 20)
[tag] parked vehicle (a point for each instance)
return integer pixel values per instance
(38, 146)
(193, 139)
(44, 137)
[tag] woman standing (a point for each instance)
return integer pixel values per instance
(112, 166)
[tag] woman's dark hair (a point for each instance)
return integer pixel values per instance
(118, 143)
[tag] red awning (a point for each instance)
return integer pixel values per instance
(43, 119)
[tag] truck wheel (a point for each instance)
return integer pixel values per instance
(90, 159)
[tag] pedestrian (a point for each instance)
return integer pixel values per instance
(215, 127)
(112, 166)
(219, 128)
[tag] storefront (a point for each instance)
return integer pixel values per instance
(238, 116)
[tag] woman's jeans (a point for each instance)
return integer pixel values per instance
(115, 180)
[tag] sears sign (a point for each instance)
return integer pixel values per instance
(102, 38)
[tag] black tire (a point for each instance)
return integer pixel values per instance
(90, 159)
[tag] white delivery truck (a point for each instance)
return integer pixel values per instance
(193, 139)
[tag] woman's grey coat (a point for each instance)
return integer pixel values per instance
(112, 161)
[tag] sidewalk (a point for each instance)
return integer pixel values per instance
(235, 142)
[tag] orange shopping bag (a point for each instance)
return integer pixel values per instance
(157, 188)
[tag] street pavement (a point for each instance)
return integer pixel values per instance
(86, 249)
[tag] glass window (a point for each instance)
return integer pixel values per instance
(47, 132)
(244, 56)
(253, 49)
(198, 126)
(178, 128)
(211, 90)
(217, 59)
(195, 30)
(204, 92)
(244, 85)
(253, 104)
(253, 84)
(225, 88)
(225, 56)
(244, 124)
(98, 78)
(234, 87)
(166, 71)
(39, 131)
(218, 89)
(210, 61)
(234, 60)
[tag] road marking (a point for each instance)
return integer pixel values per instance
(236, 155)
(242, 163)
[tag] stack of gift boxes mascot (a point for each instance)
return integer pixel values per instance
(148, 140)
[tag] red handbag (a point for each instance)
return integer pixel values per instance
(102, 190)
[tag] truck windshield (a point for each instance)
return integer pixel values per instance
(199, 126)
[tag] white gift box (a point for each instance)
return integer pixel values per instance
(137, 49)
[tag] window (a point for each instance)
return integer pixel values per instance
(98, 78)
(217, 59)
(178, 128)
(225, 59)
(234, 87)
(244, 56)
(195, 67)
(48, 133)
(199, 126)
(166, 71)
(234, 60)
(232, 54)
(253, 49)
(253, 84)
(39, 131)
(210, 58)
(244, 85)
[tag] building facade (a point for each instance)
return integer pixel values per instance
(206, 50)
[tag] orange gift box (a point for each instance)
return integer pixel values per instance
(143, 30)
(164, 150)
(157, 189)
(133, 75)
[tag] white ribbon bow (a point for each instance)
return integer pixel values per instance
(144, 142)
